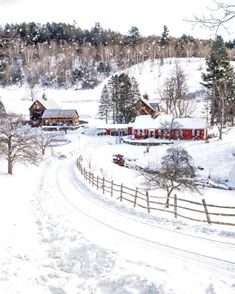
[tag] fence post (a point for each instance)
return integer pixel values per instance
(97, 182)
(147, 199)
(92, 179)
(112, 188)
(103, 185)
(175, 206)
(135, 199)
(89, 177)
(206, 211)
(121, 188)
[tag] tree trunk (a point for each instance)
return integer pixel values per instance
(10, 167)
(167, 199)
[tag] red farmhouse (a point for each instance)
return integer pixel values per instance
(167, 127)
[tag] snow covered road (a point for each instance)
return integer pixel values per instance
(108, 214)
(63, 238)
(147, 249)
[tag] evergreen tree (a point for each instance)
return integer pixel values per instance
(105, 105)
(2, 108)
(133, 37)
(124, 94)
(113, 90)
(219, 79)
(165, 37)
(164, 43)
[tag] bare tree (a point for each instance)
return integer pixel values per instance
(175, 95)
(176, 172)
(218, 17)
(225, 107)
(45, 139)
(17, 142)
(168, 126)
(32, 79)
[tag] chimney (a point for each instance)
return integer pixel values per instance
(146, 96)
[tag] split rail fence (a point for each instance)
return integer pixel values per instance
(188, 209)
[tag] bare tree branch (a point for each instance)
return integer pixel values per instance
(176, 172)
(217, 19)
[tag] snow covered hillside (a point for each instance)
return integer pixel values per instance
(61, 236)
(150, 77)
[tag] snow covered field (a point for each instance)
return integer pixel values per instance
(58, 236)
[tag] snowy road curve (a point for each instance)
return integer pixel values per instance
(147, 248)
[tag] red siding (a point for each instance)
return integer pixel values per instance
(183, 134)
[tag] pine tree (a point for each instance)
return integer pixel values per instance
(124, 94)
(219, 80)
(105, 105)
(165, 37)
(2, 108)
(164, 43)
(113, 91)
(133, 37)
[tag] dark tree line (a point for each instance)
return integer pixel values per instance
(33, 33)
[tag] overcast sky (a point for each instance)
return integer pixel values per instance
(120, 15)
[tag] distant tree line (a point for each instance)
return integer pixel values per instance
(63, 55)
(34, 33)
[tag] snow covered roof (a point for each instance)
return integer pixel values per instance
(165, 121)
(192, 123)
(151, 103)
(48, 104)
(59, 113)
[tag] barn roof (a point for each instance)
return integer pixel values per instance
(59, 113)
(164, 121)
(152, 104)
(48, 104)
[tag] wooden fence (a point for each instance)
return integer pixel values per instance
(192, 210)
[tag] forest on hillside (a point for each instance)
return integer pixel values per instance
(63, 55)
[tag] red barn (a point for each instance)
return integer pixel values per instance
(167, 127)
(36, 110)
(145, 106)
